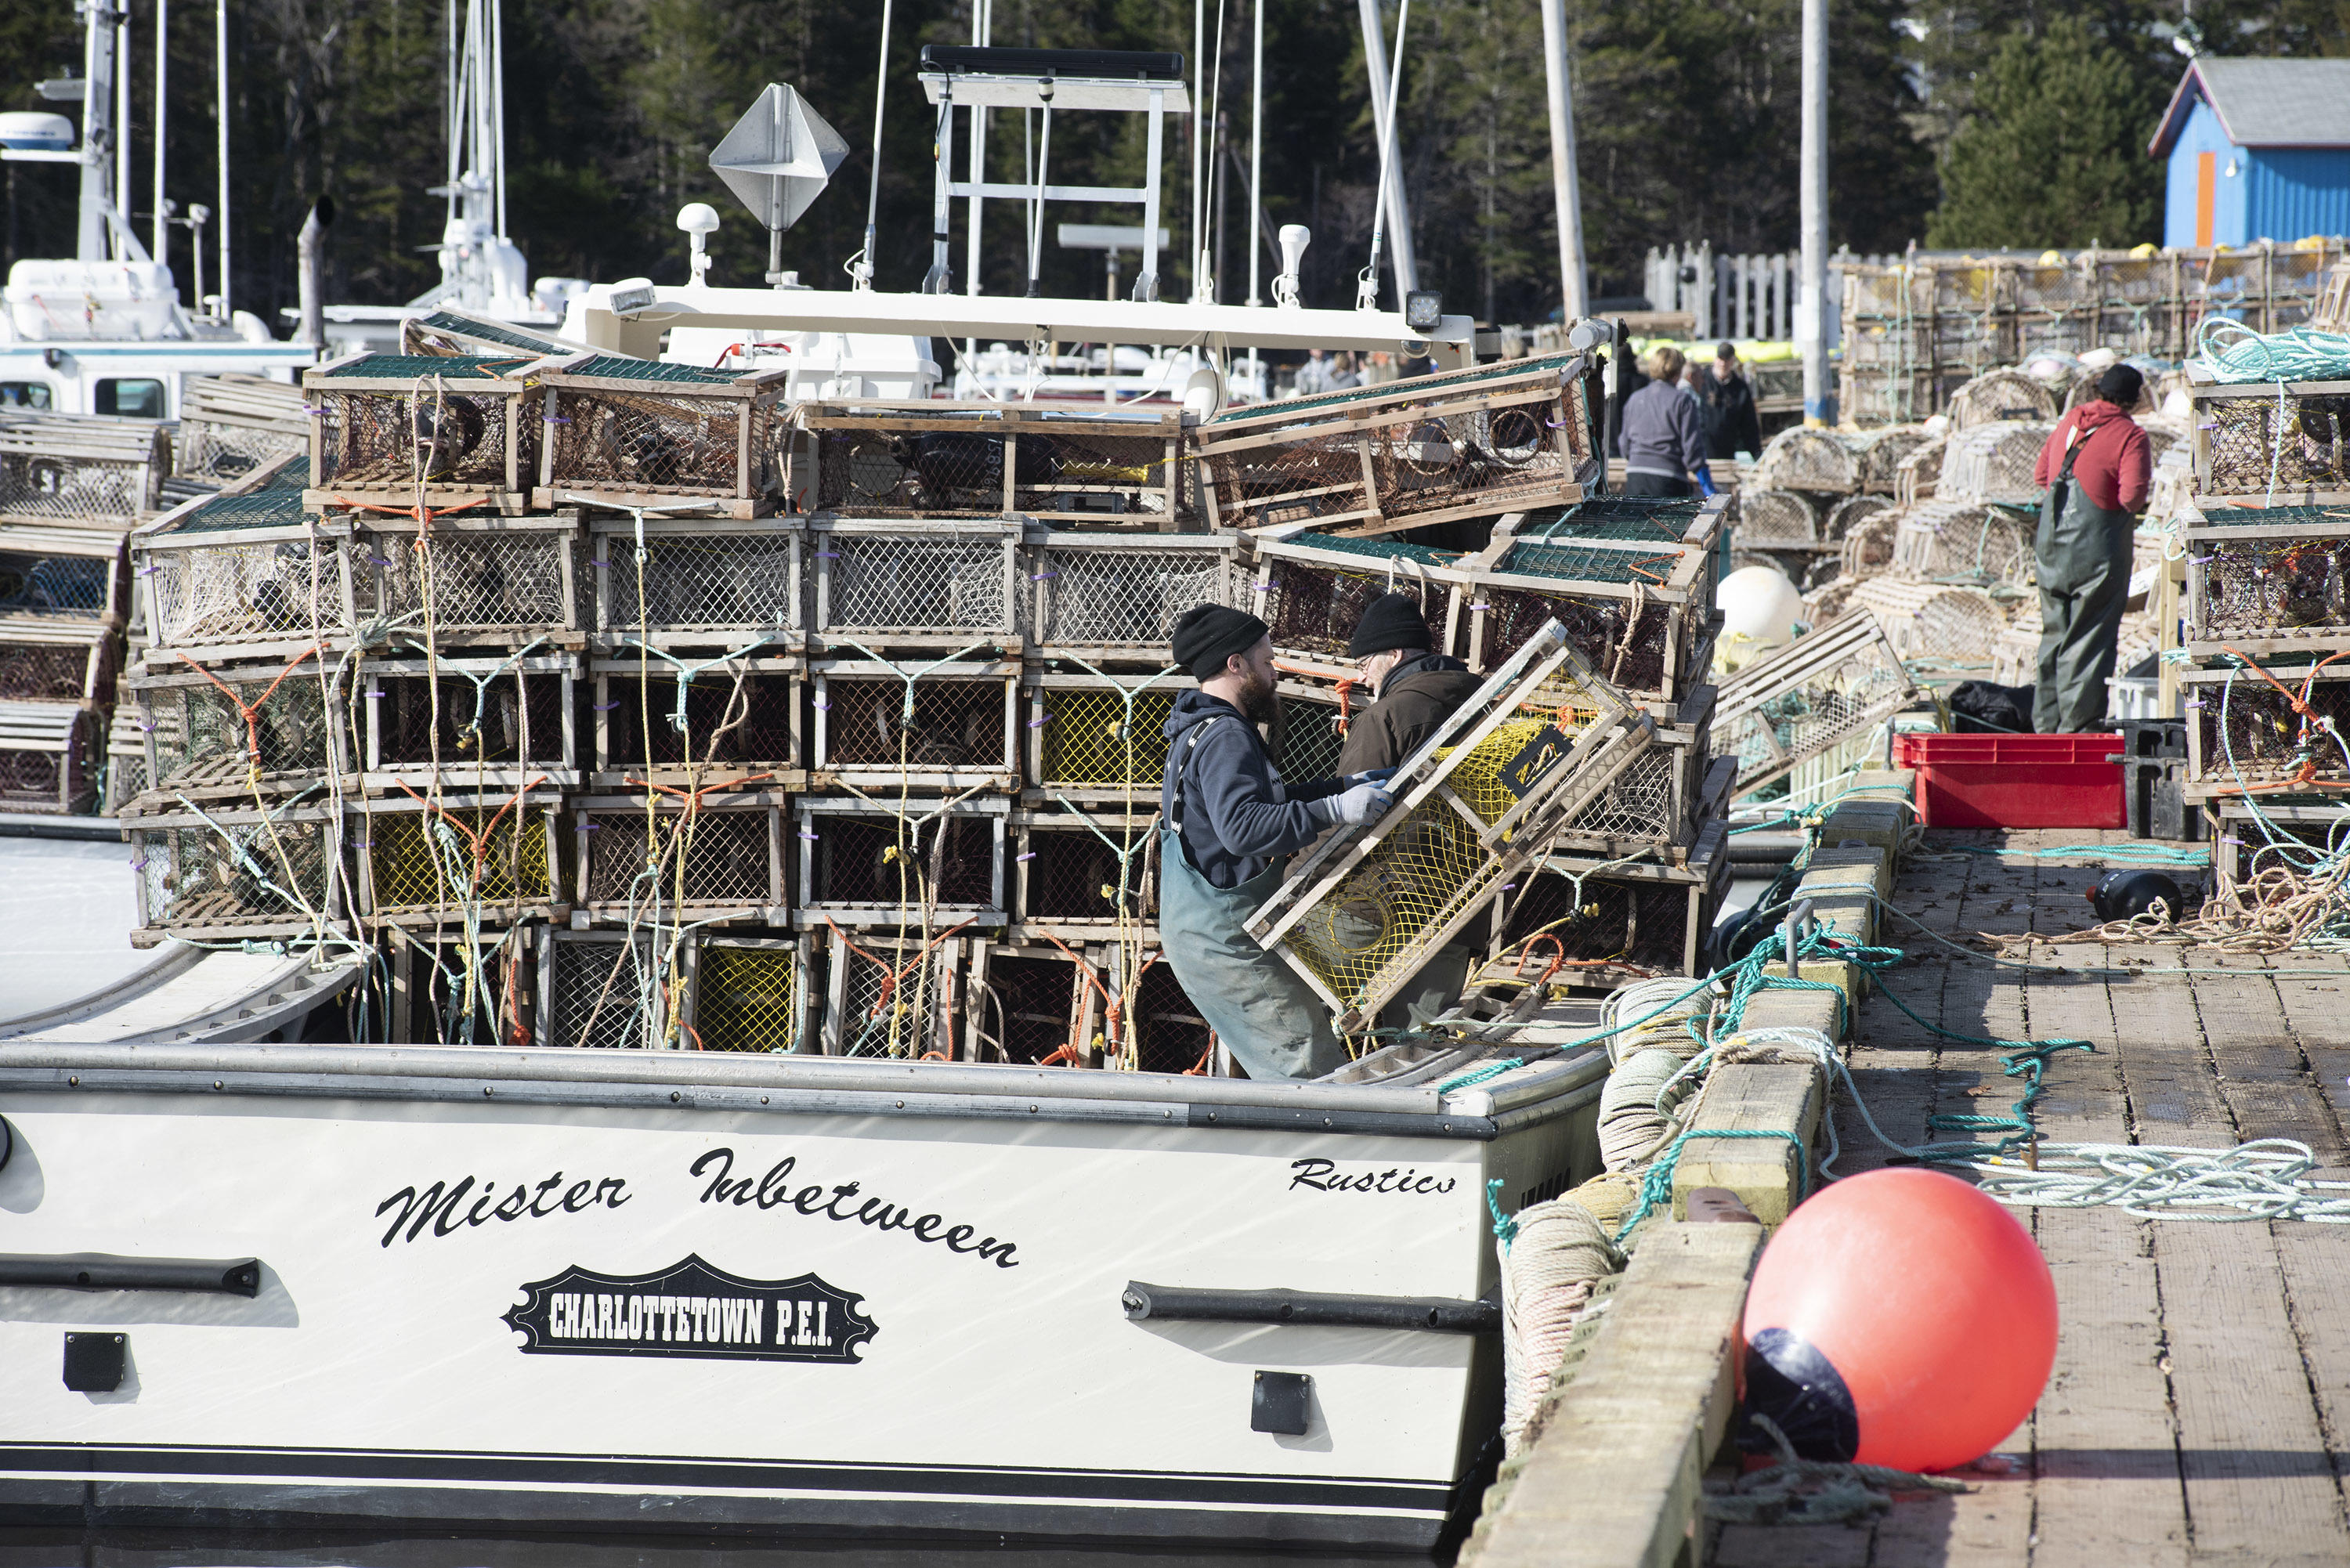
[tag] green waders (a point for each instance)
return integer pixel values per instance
(2083, 553)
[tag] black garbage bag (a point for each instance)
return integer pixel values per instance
(1982, 706)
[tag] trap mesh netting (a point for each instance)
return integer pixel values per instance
(1624, 648)
(1164, 1024)
(1993, 462)
(746, 996)
(715, 857)
(1313, 596)
(1801, 459)
(882, 469)
(1310, 735)
(2249, 732)
(456, 580)
(1808, 697)
(913, 584)
(513, 717)
(2273, 440)
(1768, 517)
(392, 421)
(874, 724)
(1638, 922)
(423, 863)
(231, 593)
(606, 994)
(1103, 737)
(52, 672)
(215, 450)
(674, 432)
(39, 485)
(870, 861)
(745, 726)
(1947, 540)
(1126, 596)
(1071, 873)
(2257, 587)
(240, 873)
(1031, 1006)
(56, 587)
(202, 736)
(745, 583)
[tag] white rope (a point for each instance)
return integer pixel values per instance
(1555, 1256)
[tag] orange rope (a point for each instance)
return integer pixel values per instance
(480, 840)
(251, 713)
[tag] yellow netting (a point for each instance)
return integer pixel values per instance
(402, 866)
(746, 999)
(1090, 744)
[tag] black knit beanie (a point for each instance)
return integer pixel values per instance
(1389, 621)
(1210, 633)
(2120, 385)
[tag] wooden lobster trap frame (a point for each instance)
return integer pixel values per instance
(949, 726)
(713, 858)
(911, 583)
(1478, 802)
(127, 775)
(1116, 598)
(1310, 591)
(865, 863)
(748, 994)
(990, 459)
(898, 998)
(2268, 580)
(221, 730)
(432, 430)
(250, 570)
(1466, 444)
(79, 467)
(621, 431)
(44, 662)
(243, 874)
(49, 757)
(689, 723)
(2276, 726)
(1028, 1004)
(467, 580)
(451, 331)
(1099, 738)
(1809, 696)
(609, 989)
(1085, 873)
(231, 426)
(481, 724)
(67, 576)
(494, 858)
(2283, 442)
(1650, 804)
(701, 582)
(1654, 917)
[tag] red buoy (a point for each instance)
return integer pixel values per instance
(1902, 1318)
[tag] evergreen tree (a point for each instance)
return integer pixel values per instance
(2054, 154)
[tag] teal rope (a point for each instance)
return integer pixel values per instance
(1505, 1226)
(2130, 854)
(1656, 1183)
(1479, 1074)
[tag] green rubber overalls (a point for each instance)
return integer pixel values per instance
(2083, 552)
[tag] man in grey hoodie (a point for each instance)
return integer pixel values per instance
(1229, 825)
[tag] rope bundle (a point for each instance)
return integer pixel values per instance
(1557, 1253)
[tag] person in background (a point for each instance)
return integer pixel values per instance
(1415, 691)
(1733, 423)
(2096, 466)
(1689, 385)
(1229, 825)
(1314, 376)
(1663, 433)
(1342, 373)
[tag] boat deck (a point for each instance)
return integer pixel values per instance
(2200, 1411)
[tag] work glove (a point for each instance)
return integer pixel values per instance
(1704, 472)
(1361, 803)
(1376, 775)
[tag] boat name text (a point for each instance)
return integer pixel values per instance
(841, 1202)
(442, 1206)
(1323, 1176)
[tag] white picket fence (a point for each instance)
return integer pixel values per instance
(1744, 296)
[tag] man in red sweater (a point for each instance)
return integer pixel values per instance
(2095, 469)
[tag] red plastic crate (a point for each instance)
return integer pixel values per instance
(2015, 781)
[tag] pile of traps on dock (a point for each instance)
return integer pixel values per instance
(608, 702)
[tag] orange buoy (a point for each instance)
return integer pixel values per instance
(1902, 1318)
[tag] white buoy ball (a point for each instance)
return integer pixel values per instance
(1759, 605)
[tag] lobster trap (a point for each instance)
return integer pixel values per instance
(432, 430)
(662, 723)
(478, 860)
(245, 875)
(1638, 614)
(639, 432)
(1309, 731)
(942, 583)
(894, 998)
(1929, 621)
(1310, 591)
(1118, 596)
(1777, 519)
(690, 857)
(231, 426)
(1052, 1006)
(73, 468)
(1473, 807)
(1818, 460)
(448, 330)
(1649, 804)
(1809, 696)
(2277, 440)
(1467, 443)
(61, 575)
(1880, 453)
(865, 863)
(1965, 541)
(250, 568)
(478, 723)
(748, 994)
(1652, 918)
(2267, 728)
(697, 582)
(1993, 462)
(467, 579)
(1076, 871)
(609, 991)
(2266, 580)
(1100, 738)
(880, 726)
(221, 731)
(55, 663)
(49, 757)
(977, 460)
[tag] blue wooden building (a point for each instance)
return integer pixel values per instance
(2257, 150)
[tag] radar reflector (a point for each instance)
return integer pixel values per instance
(778, 157)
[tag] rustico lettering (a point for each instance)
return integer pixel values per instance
(1323, 1176)
(628, 1316)
(444, 1206)
(841, 1202)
